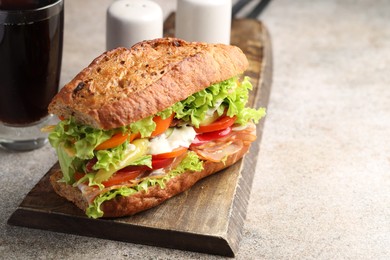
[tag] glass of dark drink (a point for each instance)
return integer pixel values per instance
(31, 36)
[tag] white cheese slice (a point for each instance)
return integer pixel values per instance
(182, 136)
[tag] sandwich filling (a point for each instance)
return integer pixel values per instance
(209, 125)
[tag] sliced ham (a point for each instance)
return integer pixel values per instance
(219, 149)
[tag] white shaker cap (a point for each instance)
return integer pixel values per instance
(131, 21)
(204, 20)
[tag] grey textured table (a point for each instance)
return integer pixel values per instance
(322, 183)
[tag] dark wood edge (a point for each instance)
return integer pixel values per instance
(261, 94)
(140, 235)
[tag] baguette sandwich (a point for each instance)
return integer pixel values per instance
(141, 125)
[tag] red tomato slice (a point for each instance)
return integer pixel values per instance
(174, 153)
(220, 124)
(114, 141)
(132, 137)
(161, 124)
(133, 171)
(90, 164)
(206, 137)
(78, 175)
(120, 177)
(161, 163)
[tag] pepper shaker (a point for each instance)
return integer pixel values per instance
(204, 20)
(131, 21)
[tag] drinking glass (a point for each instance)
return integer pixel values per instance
(31, 37)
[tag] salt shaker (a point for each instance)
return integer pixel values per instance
(204, 20)
(131, 21)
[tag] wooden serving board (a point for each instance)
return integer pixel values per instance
(208, 218)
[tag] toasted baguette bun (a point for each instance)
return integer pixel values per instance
(127, 206)
(125, 85)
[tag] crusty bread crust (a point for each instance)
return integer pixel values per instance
(122, 86)
(126, 206)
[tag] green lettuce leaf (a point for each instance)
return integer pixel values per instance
(68, 162)
(83, 138)
(190, 163)
(144, 126)
(65, 160)
(236, 102)
(165, 113)
(230, 94)
(144, 160)
(110, 157)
